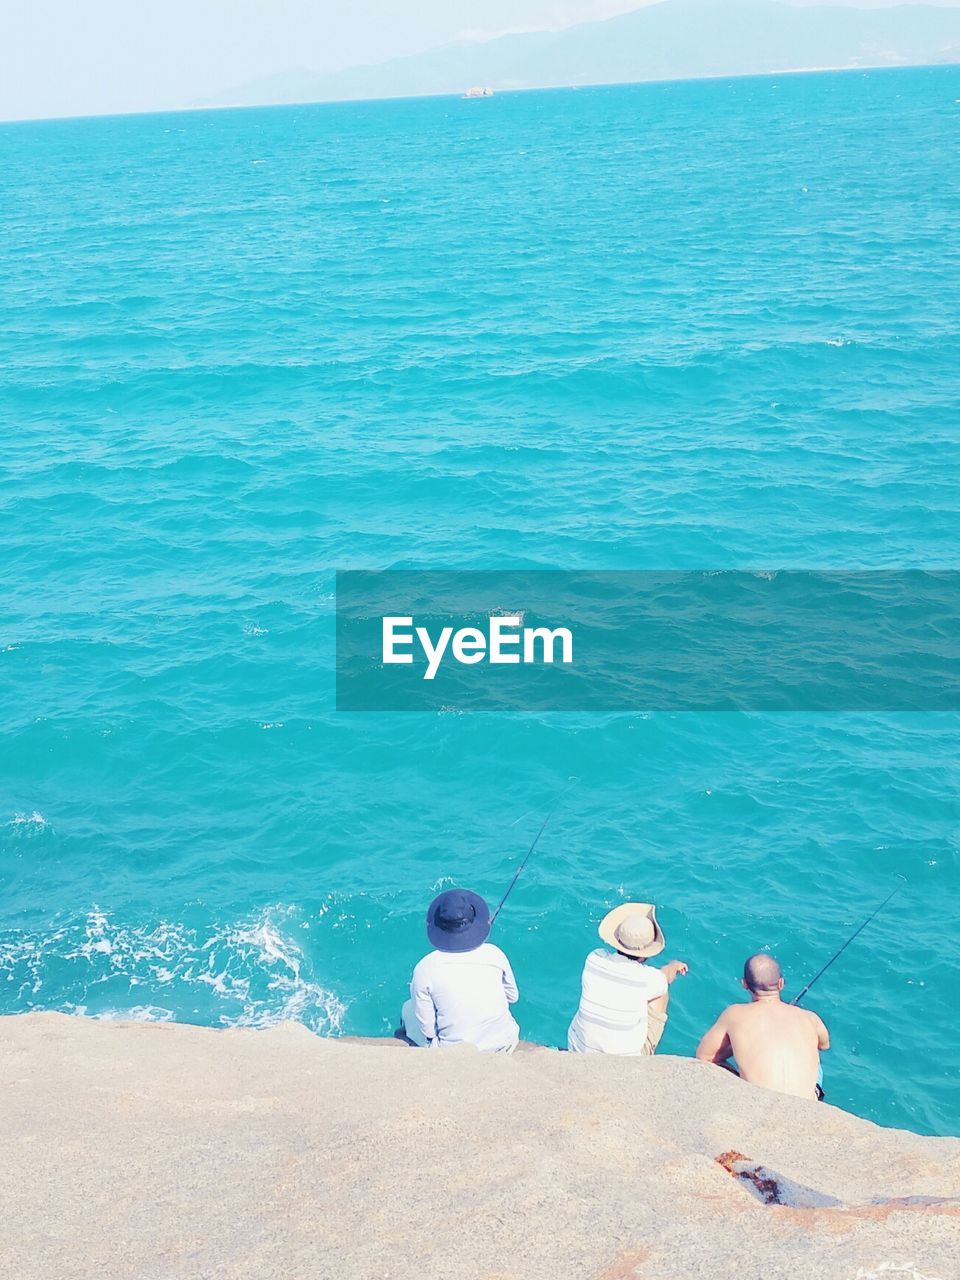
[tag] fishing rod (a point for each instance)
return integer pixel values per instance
(526, 858)
(821, 972)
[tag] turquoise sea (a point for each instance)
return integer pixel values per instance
(672, 326)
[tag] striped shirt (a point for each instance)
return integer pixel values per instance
(612, 1017)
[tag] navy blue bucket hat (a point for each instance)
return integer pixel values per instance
(458, 920)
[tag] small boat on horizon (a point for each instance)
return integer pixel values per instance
(477, 92)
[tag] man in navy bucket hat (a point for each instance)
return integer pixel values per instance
(462, 991)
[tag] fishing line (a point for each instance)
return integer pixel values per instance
(821, 972)
(526, 857)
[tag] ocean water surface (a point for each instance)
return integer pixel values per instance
(673, 326)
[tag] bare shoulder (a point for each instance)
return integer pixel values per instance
(810, 1022)
(804, 1013)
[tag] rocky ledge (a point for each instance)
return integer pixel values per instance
(149, 1151)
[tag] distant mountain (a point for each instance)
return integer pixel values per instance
(677, 39)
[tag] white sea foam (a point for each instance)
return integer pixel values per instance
(34, 820)
(136, 1013)
(249, 972)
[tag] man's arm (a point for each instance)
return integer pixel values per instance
(823, 1035)
(510, 983)
(715, 1045)
(674, 969)
(423, 1006)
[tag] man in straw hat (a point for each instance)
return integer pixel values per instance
(462, 990)
(623, 1002)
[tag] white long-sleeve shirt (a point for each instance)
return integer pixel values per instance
(463, 997)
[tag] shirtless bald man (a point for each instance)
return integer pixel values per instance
(776, 1045)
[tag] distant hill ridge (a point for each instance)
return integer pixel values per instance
(676, 39)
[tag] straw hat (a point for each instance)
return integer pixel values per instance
(633, 929)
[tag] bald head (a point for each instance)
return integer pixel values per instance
(761, 974)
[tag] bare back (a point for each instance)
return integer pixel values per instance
(776, 1045)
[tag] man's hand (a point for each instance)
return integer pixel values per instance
(674, 969)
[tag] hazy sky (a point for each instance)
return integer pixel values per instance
(80, 57)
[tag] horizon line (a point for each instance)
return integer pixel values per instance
(459, 94)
